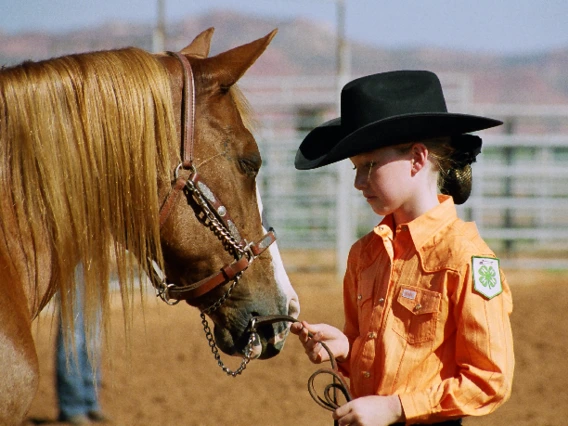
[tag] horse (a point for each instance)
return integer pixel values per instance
(93, 172)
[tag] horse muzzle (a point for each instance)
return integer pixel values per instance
(257, 335)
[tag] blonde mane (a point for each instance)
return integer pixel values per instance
(83, 142)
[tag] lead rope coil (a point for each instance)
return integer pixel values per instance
(328, 399)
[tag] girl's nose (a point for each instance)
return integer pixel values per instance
(361, 180)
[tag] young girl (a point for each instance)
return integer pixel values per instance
(427, 336)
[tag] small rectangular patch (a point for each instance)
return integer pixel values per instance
(408, 294)
(486, 276)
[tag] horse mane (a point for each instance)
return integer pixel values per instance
(83, 141)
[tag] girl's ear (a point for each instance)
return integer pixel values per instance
(418, 157)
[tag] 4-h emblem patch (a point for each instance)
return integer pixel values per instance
(486, 276)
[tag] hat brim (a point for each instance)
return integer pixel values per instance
(327, 143)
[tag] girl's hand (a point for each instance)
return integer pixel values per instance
(335, 340)
(370, 411)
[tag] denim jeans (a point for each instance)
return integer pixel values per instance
(77, 383)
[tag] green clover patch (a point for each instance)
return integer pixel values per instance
(486, 276)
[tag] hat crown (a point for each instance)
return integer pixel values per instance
(388, 95)
(383, 110)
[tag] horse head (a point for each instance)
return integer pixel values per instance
(212, 234)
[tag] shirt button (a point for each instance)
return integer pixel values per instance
(359, 297)
(418, 307)
(372, 335)
(366, 374)
(381, 300)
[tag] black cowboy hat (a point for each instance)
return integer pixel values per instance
(382, 110)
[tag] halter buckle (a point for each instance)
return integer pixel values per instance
(249, 252)
(164, 293)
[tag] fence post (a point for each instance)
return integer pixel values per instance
(508, 215)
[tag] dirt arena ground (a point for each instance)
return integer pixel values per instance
(169, 377)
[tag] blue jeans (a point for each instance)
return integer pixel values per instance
(77, 382)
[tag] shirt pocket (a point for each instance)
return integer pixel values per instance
(415, 313)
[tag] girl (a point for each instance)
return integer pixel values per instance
(427, 336)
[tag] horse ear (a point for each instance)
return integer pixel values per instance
(200, 46)
(233, 63)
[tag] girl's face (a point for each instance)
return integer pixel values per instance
(385, 177)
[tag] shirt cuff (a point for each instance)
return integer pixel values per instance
(416, 407)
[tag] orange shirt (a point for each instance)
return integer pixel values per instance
(416, 326)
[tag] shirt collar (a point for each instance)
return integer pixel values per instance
(424, 227)
(385, 228)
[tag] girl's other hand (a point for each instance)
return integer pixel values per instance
(370, 411)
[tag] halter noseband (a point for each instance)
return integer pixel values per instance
(216, 216)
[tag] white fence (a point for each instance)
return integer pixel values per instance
(520, 194)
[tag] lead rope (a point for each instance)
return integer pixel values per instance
(329, 398)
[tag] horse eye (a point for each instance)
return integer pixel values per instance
(250, 166)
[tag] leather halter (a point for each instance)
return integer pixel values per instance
(220, 222)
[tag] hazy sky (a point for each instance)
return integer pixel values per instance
(502, 26)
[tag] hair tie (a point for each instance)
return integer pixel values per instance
(467, 147)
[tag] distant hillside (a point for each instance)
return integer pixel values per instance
(304, 48)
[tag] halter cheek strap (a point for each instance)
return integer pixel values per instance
(216, 214)
(187, 135)
(188, 107)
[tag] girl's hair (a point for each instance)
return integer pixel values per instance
(452, 158)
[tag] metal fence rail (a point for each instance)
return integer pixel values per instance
(520, 193)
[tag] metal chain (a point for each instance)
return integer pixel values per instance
(231, 245)
(211, 339)
(218, 228)
(215, 351)
(225, 296)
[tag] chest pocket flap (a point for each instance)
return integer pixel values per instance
(415, 314)
(419, 301)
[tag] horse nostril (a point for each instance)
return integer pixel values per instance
(294, 308)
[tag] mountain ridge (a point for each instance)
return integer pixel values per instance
(302, 47)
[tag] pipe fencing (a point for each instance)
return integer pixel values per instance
(520, 193)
